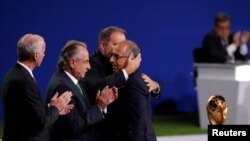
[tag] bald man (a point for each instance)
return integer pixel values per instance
(101, 73)
(129, 117)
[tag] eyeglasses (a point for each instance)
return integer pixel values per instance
(117, 56)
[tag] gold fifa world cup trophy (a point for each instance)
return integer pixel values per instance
(217, 110)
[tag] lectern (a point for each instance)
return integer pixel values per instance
(232, 81)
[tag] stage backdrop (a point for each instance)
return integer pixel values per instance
(165, 30)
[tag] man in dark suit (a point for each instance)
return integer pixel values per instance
(220, 46)
(102, 74)
(130, 116)
(26, 118)
(73, 63)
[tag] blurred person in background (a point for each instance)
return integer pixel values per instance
(221, 46)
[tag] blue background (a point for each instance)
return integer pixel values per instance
(165, 30)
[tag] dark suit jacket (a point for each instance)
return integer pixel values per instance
(100, 75)
(215, 52)
(130, 116)
(26, 118)
(77, 125)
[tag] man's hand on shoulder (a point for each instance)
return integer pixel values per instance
(152, 85)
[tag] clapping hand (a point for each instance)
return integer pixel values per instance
(236, 39)
(62, 102)
(244, 37)
(106, 96)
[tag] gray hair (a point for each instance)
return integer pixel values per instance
(132, 47)
(68, 52)
(28, 45)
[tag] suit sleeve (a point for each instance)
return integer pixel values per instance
(80, 118)
(213, 53)
(94, 80)
(156, 94)
(138, 100)
(43, 116)
(116, 79)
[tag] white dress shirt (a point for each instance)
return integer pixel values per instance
(232, 48)
(75, 81)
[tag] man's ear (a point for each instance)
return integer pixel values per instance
(71, 64)
(35, 56)
(133, 56)
(102, 45)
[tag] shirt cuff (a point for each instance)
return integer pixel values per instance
(243, 49)
(231, 49)
(105, 111)
(125, 74)
(157, 90)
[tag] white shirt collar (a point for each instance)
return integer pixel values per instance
(71, 77)
(27, 68)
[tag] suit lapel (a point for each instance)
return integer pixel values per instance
(27, 75)
(75, 90)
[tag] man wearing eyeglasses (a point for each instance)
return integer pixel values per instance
(130, 115)
(102, 74)
(220, 46)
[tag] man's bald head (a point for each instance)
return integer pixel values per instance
(121, 53)
(131, 47)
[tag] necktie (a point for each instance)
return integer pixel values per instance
(224, 43)
(80, 89)
(230, 59)
(83, 93)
